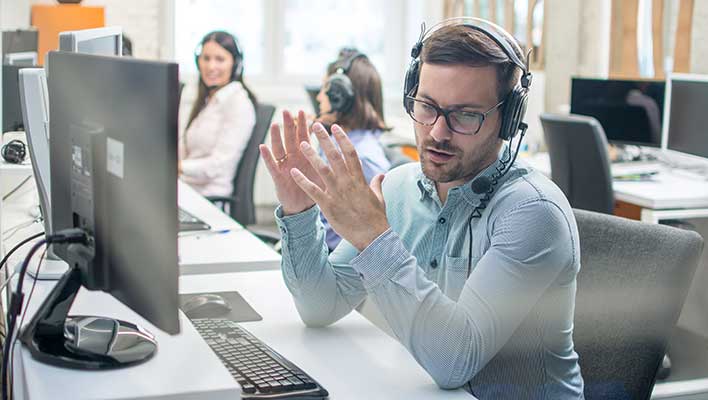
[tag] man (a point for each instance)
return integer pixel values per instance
(471, 260)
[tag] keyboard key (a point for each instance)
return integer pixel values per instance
(258, 369)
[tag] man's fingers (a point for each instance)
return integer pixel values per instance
(302, 128)
(307, 186)
(276, 142)
(349, 154)
(330, 150)
(323, 170)
(376, 186)
(291, 142)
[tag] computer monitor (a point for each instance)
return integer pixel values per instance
(687, 114)
(630, 111)
(19, 41)
(11, 108)
(114, 174)
(312, 92)
(34, 99)
(25, 59)
(102, 41)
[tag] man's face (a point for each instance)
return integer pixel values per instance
(446, 156)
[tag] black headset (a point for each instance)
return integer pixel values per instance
(14, 151)
(515, 102)
(340, 90)
(237, 71)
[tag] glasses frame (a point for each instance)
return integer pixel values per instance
(446, 113)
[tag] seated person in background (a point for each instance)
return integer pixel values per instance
(351, 96)
(470, 257)
(222, 118)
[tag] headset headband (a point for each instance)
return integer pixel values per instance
(346, 64)
(500, 36)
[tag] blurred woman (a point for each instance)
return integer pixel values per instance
(351, 97)
(221, 120)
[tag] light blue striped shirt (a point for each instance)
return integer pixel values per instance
(501, 330)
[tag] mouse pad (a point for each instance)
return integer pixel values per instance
(241, 311)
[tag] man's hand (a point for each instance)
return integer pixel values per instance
(282, 157)
(355, 210)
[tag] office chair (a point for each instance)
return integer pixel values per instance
(633, 281)
(240, 204)
(580, 165)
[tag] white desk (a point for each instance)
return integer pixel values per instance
(352, 359)
(672, 194)
(207, 252)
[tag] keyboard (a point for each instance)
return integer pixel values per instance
(261, 372)
(635, 168)
(188, 222)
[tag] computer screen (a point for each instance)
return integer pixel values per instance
(34, 98)
(19, 41)
(630, 111)
(11, 108)
(687, 113)
(101, 41)
(114, 173)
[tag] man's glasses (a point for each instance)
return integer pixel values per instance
(459, 121)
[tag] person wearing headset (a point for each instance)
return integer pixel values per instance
(351, 96)
(222, 118)
(470, 257)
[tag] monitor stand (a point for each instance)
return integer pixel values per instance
(83, 342)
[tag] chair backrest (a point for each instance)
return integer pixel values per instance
(632, 284)
(243, 209)
(580, 166)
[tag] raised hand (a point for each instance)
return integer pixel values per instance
(355, 210)
(284, 155)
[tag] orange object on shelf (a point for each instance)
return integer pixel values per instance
(50, 20)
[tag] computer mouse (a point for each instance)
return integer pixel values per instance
(206, 306)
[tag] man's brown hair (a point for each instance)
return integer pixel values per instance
(460, 44)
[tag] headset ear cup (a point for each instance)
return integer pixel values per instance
(340, 93)
(514, 110)
(411, 81)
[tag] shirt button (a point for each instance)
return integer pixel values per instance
(441, 220)
(361, 275)
(434, 263)
(282, 229)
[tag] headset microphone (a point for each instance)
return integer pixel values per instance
(481, 185)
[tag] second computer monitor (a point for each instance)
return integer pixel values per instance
(630, 111)
(687, 113)
(131, 170)
(106, 41)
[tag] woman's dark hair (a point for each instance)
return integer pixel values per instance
(367, 111)
(228, 42)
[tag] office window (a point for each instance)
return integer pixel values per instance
(317, 43)
(288, 41)
(195, 18)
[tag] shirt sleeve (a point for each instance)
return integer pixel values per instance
(324, 288)
(453, 340)
(239, 119)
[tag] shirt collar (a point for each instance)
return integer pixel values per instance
(427, 186)
(225, 92)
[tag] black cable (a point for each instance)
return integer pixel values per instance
(501, 171)
(13, 311)
(72, 235)
(10, 376)
(7, 257)
(11, 192)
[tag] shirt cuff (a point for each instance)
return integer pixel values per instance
(379, 261)
(297, 225)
